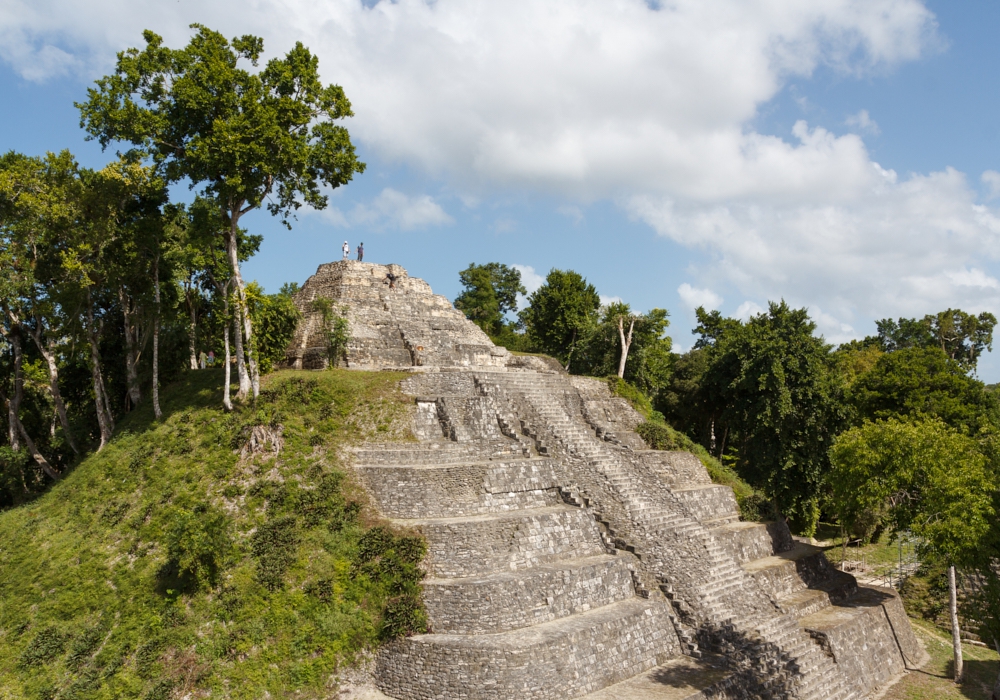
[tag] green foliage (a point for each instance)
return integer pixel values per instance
(924, 476)
(776, 393)
(197, 541)
(922, 381)
(488, 293)
(89, 610)
(273, 546)
(336, 329)
(246, 135)
(648, 362)
(961, 336)
(394, 558)
(684, 401)
(274, 320)
(560, 313)
(47, 644)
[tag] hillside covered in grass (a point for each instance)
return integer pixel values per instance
(226, 552)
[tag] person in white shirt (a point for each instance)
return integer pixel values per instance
(347, 250)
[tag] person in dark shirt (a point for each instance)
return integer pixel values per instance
(391, 278)
(361, 251)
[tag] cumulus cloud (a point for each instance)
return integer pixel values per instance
(694, 297)
(608, 300)
(747, 309)
(648, 105)
(529, 278)
(862, 121)
(397, 210)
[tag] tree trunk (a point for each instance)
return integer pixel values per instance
(572, 347)
(50, 360)
(956, 636)
(244, 344)
(241, 367)
(193, 326)
(626, 343)
(105, 421)
(131, 358)
(226, 401)
(38, 456)
(156, 340)
(14, 404)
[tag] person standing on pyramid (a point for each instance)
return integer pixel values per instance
(347, 250)
(361, 251)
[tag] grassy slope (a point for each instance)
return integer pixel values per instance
(89, 606)
(933, 681)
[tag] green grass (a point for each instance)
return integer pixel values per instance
(934, 680)
(169, 562)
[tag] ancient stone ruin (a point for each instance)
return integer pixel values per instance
(565, 558)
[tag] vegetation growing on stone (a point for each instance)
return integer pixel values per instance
(169, 561)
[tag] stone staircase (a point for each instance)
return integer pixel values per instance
(565, 559)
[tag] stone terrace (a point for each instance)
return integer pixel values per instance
(565, 559)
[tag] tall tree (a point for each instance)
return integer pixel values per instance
(961, 336)
(39, 200)
(914, 381)
(780, 405)
(928, 478)
(489, 292)
(560, 313)
(244, 137)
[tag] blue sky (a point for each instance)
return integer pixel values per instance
(831, 152)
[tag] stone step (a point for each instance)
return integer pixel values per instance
(417, 453)
(462, 488)
(683, 678)
(859, 635)
(564, 658)
(748, 541)
(802, 566)
(512, 600)
(807, 601)
(486, 544)
(709, 502)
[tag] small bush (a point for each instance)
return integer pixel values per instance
(45, 646)
(197, 541)
(83, 646)
(402, 617)
(657, 436)
(273, 546)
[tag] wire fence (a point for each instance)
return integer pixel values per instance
(880, 570)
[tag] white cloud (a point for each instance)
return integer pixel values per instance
(529, 278)
(863, 122)
(747, 309)
(991, 178)
(608, 300)
(397, 210)
(694, 297)
(651, 108)
(834, 330)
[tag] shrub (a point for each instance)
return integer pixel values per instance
(273, 546)
(197, 541)
(45, 646)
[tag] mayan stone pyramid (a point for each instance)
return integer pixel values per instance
(565, 558)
